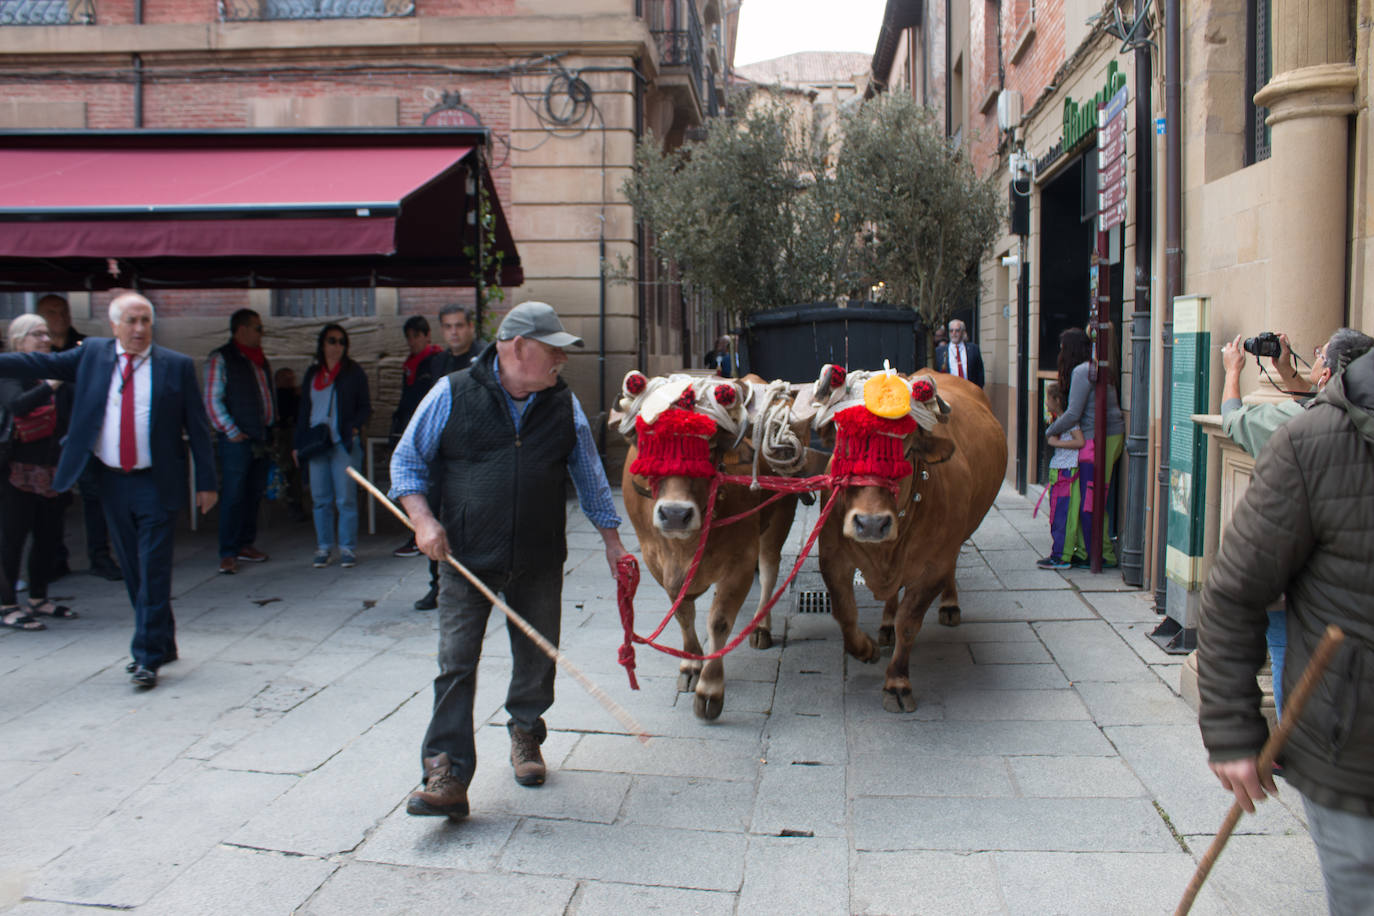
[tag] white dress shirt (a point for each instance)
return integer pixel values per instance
(107, 448)
(958, 360)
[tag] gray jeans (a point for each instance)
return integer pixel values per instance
(1345, 848)
(536, 595)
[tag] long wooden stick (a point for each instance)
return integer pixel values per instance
(1292, 708)
(535, 636)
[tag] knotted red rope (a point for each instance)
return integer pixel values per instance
(627, 568)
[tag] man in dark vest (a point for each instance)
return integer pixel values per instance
(241, 401)
(505, 435)
(456, 321)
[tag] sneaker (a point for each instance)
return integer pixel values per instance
(1085, 563)
(321, 559)
(1051, 563)
(408, 549)
(347, 560)
(525, 758)
(444, 794)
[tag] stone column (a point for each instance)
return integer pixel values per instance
(1309, 98)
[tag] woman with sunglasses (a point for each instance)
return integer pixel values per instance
(28, 502)
(334, 407)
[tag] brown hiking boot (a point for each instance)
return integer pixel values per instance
(525, 758)
(443, 794)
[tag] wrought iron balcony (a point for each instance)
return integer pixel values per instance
(677, 31)
(47, 12)
(242, 10)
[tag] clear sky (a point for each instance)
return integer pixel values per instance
(772, 28)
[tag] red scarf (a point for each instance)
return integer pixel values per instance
(324, 376)
(254, 354)
(413, 363)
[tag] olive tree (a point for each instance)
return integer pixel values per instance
(741, 211)
(922, 218)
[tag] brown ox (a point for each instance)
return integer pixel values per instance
(911, 544)
(668, 525)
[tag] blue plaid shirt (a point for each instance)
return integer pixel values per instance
(420, 442)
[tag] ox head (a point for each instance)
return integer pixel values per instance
(681, 426)
(883, 427)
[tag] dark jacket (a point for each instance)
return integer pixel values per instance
(352, 403)
(445, 363)
(18, 399)
(503, 492)
(974, 370)
(242, 397)
(177, 403)
(413, 393)
(1304, 529)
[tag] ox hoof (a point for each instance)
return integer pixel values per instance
(949, 616)
(895, 700)
(708, 708)
(687, 681)
(761, 639)
(866, 651)
(887, 636)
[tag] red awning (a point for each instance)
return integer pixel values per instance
(246, 208)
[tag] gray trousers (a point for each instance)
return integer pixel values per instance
(536, 595)
(1345, 848)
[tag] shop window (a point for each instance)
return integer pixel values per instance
(1258, 70)
(231, 10)
(12, 305)
(47, 12)
(324, 303)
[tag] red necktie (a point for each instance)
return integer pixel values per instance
(128, 438)
(958, 363)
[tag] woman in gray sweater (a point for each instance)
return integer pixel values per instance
(1075, 352)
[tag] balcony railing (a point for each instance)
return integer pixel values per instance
(47, 12)
(240, 10)
(677, 31)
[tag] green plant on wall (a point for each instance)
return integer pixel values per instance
(487, 260)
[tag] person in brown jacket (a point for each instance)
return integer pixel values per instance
(1304, 529)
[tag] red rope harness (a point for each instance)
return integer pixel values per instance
(627, 568)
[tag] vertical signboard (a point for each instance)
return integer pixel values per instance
(1187, 442)
(1111, 162)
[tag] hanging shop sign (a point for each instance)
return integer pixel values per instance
(1111, 163)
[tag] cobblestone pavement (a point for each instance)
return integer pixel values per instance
(1050, 767)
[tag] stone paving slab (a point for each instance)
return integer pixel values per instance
(689, 803)
(607, 897)
(787, 875)
(906, 771)
(1092, 651)
(666, 757)
(1074, 777)
(887, 883)
(1267, 874)
(802, 798)
(220, 882)
(627, 854)
(978, 824)
(386, 890)
(1144, 703)
(1090, 884)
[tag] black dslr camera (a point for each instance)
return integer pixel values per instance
(1266, 344)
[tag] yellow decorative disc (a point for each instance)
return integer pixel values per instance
(887, 396)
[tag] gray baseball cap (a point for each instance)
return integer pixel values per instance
(536, 321)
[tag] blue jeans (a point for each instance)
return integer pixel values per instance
(1277, 638)
(1345, 848)
(243, 468)
(335, 497)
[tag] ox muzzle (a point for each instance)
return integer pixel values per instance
(676, 518)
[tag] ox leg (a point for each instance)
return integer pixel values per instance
(688, 670)
(885, 631)
(839, 582)
(911, 613)
(949, 602)
(730, 594)
(777, 525)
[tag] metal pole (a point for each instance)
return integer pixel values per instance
(1023, 368)
(1173, 168)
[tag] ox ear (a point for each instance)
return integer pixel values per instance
(933, 449)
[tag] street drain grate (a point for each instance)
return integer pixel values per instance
(813, 601)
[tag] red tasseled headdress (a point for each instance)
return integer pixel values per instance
(868, 445)
(678, 444)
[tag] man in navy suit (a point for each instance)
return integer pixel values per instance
(137, 456)
(959, 357)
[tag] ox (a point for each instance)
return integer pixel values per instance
(946, 469)
(685, 430)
